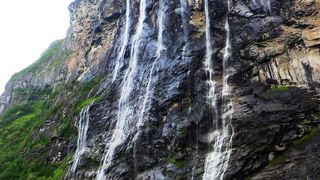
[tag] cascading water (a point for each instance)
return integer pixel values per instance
(160, 49)
(210, 159)
(124, 41)
(217, 161)
(228, 131)
(149, 89)
(209, 65)
(82, 137)
(185, 17)
(121, 129)
(185, 22)
(226, 56)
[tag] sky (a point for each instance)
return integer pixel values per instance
(26, 29)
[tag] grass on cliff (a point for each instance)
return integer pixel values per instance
(24, 153)
(178, 163)
(24, 150)
(277, 160)
(53, 50)
(19, 149)
(280, 88)
(80, 96)
(312, 133)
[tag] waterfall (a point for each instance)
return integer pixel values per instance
(217, 161)
(160, 48)
(149, 89)
(185, 23)
(124, 42)
(209, 169)
(226, 56)
(82, 137)
(121, 129)
(228, 131)
(209, 65)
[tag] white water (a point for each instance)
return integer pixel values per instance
(209, 66)
(119, 134)
(160, 49)
(226, 56)
(149, 90)
(124, 41)
(217, 161)
(82, 137)
(185, 23)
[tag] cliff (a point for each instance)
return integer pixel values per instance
(170, 89)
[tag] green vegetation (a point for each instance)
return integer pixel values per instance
(53, 50)
(316, 115)
(56, 63)
(312, 133)
(277, 160)
(79, 97)
(86, 102)
(60, 171)
(177, 163)
(24, 151)
(18, 147)
(280, 88)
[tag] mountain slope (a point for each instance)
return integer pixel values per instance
(170, 89)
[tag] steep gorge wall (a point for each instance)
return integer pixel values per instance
(275, 52)
(279, 104)
(48, 70)
(264, 88)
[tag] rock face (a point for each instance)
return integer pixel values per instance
(48, 71)
(167, 116)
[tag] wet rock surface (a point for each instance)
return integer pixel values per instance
(269, 99)
(275, 54)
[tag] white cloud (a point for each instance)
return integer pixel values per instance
(27, 28)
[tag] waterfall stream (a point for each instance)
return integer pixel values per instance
(149, 89)
(209, 66)
(124, 41)
(217, 161)
(185, 22)
(121, 128)
(160, 48)
(82, 137)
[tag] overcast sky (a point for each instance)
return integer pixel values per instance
(27, 28)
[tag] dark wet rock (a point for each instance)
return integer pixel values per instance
(242, 10)
(275, 87)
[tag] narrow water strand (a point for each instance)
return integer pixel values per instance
(121, 129)
(228, 130)
(217, 161)
(209, 66)
(214, 157)
(196, 156)
(185, 23)
(124, 41)
(82, 137)
(127, 85)
(226, 56)
(160, 48)
(149, 89)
